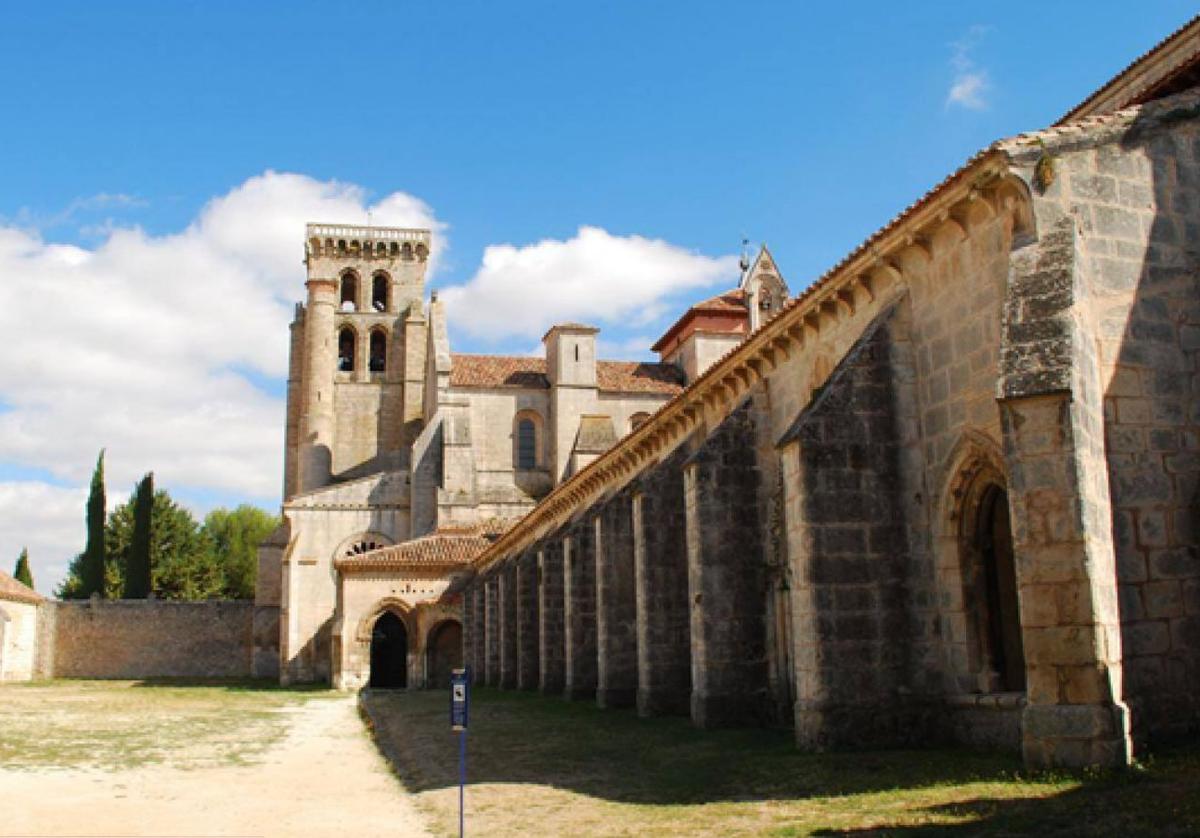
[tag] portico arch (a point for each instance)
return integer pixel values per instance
(443, 652)
(387, 634)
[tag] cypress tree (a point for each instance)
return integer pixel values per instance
(91, 570)
(22, 573)
(137, 567)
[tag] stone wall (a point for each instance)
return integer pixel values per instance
(152, 639)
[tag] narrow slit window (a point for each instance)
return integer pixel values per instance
(526, 444)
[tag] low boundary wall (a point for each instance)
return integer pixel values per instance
(149, 639)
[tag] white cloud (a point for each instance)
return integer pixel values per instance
(971, 84)
(46, 519)
(594, 277)
(148, 345)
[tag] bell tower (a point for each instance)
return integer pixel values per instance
(365, 290)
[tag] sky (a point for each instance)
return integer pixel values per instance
(597, 162)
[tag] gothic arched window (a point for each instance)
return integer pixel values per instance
(346, 344)
(637, 420)
(377, 361)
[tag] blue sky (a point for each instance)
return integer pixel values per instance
(673, 129)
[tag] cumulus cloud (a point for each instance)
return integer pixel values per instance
(595, 277)
(155, 348)
(971, 85)
(46, 519)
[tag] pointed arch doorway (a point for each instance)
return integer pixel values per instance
(389, 653)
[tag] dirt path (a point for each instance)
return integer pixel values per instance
(324, 779)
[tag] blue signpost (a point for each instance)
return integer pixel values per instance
(460, 700)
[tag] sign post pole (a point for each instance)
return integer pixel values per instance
(460, 699)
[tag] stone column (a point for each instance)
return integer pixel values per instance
(579, 612)
(468, 628)
(661, 592)
(1066, 581)
(508, 624)
(527, 621)
(491, 664)
(477, 658)
(726, 577)
(316, 410)
(551, 643)
(616, 608)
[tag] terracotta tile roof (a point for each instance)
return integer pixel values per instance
(498, 371)
(731, 304)
(489, 371)
(14, 591)
(447, 548)
(732, 301)
(639, 377)
(1178, 52)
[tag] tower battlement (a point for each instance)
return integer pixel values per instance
(348, 240)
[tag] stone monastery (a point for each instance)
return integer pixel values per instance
(949, 492)
(404, 458)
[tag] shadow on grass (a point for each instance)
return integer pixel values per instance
(1161, 798)
(238, 685)
(612, 755)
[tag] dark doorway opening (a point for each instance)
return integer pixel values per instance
(445, 654)
(994, 540)
(389, 653)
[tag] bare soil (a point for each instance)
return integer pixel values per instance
(259, 764)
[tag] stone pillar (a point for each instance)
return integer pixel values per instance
(551, 629)
(527, 621)
(508, 624)
(477, 658)
(1066, 581)
(491, 663)
(661, 592)
(579, 612)
(616, 607)
(726, 578)
(316, 409)
(468, 628)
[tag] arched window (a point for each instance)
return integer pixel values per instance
(993, 536)
(346, 344)
(379, 292)
(349, 297)
(989, 581)
(526, 442)
(377, 361)
(637, 420)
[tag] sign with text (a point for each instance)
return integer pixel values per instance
(460, 699)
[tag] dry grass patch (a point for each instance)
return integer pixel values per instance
(125, 724)
(547, 767)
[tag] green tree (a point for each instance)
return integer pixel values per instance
(22, 573)
(91, 565)
(137, 565)
(235, 536)
(182, 562)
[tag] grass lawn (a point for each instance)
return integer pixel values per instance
(541, 766)
(125, 724)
